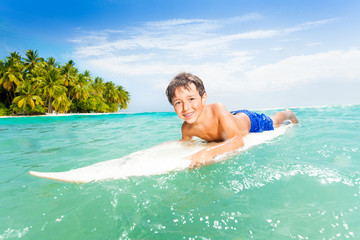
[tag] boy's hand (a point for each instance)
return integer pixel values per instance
(200, 159)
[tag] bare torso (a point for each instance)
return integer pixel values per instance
(211, 130)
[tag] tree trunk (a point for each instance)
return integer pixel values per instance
(49, 106)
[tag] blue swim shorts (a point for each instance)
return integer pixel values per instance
(259, 122)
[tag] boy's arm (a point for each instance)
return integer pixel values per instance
(230, 132)
(208, 154)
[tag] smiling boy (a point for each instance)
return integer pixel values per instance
(213, 122)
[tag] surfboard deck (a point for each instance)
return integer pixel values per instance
(160, 159)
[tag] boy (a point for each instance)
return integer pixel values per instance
(213, 122)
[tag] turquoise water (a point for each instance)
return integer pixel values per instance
(303, 185)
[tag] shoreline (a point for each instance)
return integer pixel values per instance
(94, 114)
(61, 115)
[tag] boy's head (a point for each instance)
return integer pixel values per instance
(184, 80)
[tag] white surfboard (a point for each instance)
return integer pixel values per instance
(164, 158)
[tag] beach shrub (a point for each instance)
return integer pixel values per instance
(102, 107)
(79, 107)
(114, 107)
(4, 111)
(38, 110)
(92, 104)
(96, 104)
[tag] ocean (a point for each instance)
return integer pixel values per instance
(301, 185)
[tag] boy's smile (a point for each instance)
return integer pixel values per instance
(188, 103)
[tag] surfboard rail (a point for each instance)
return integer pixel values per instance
(160, 159)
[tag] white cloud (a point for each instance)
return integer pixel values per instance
(174, 34)
(338, 66)
(176, 22)
(164, 48)
(276, 49)
(314, 44)
(309, 25)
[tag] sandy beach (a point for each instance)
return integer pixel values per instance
(59, 115)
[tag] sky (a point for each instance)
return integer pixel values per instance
(249, 53)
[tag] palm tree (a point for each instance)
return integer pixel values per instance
(51, 63)
(2, 90)
(51, 86)
(61, 103)
(99, 87)
(124, 97)
(36, 75)
(12, 75)
(32, 59)
(110, 94)
(81, 89)
(116, 96)
(69, 72)
(2, 68)
(28, 97)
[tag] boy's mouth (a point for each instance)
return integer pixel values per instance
(188, 115)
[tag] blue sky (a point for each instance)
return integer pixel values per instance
(250, 54)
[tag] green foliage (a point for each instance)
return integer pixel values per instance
(4, 111)
(113, 107)
(33, 85)
(61, 103)
(96, 104)
(37, 110)
(28, 96)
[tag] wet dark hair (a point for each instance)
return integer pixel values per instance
(184, 80)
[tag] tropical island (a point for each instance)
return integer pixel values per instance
(35, 86)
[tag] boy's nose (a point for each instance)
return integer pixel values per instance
(186, 106)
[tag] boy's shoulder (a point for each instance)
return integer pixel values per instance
(218, 108)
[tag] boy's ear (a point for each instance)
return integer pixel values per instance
(204, 98)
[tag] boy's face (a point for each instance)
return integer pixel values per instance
(188, 103)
